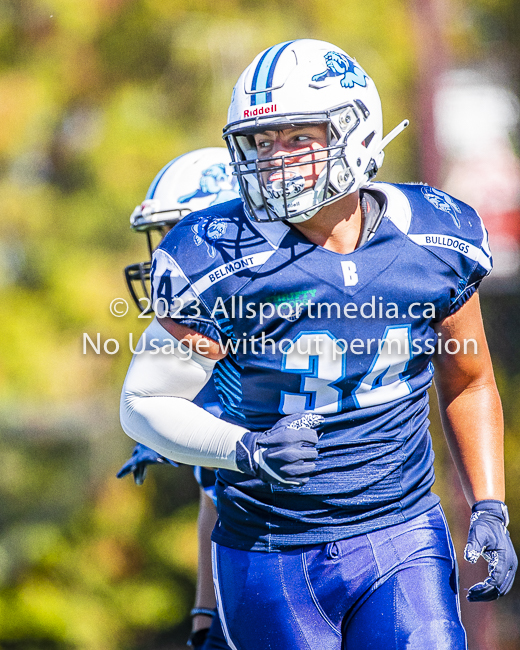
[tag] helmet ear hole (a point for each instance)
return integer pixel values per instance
(368, 139)
(371, 169)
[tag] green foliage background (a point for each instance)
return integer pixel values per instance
(95, 97)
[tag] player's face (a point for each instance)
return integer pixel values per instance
(299, 146)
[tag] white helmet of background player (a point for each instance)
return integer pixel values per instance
(193, 181)
(297, 83)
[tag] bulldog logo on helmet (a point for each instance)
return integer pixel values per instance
(340, 65)
(213, 180)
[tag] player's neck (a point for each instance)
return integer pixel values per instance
(337, 226)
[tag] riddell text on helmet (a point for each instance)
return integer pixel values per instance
(260, 111)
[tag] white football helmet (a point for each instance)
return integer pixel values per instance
(193, 181)
(293, 84)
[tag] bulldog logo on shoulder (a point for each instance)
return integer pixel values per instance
(208, 230)
(442, 202)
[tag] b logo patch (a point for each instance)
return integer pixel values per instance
(350, 276)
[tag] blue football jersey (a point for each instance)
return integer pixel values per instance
(347, 336)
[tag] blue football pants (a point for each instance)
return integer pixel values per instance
(215, 639)
(391, 589)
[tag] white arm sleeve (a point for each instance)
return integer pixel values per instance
(155, 408)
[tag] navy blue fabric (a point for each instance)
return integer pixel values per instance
(215, 639)
(375, 463)
(391, 589)
(207, 396)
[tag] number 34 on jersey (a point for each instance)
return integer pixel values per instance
(321, 359)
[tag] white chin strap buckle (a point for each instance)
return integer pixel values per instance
(394, 133)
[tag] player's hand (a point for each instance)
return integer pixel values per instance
(142, 457)
(488, 536)
(284, 454)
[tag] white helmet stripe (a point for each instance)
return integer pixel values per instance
(157, 179)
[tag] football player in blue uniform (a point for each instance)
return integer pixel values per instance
(317, 304)
(206, 175)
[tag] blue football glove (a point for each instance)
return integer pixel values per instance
(142, 457)
(488, 536)
(284, 454)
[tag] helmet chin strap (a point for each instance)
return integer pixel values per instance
(394, 133)
(376, 162)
